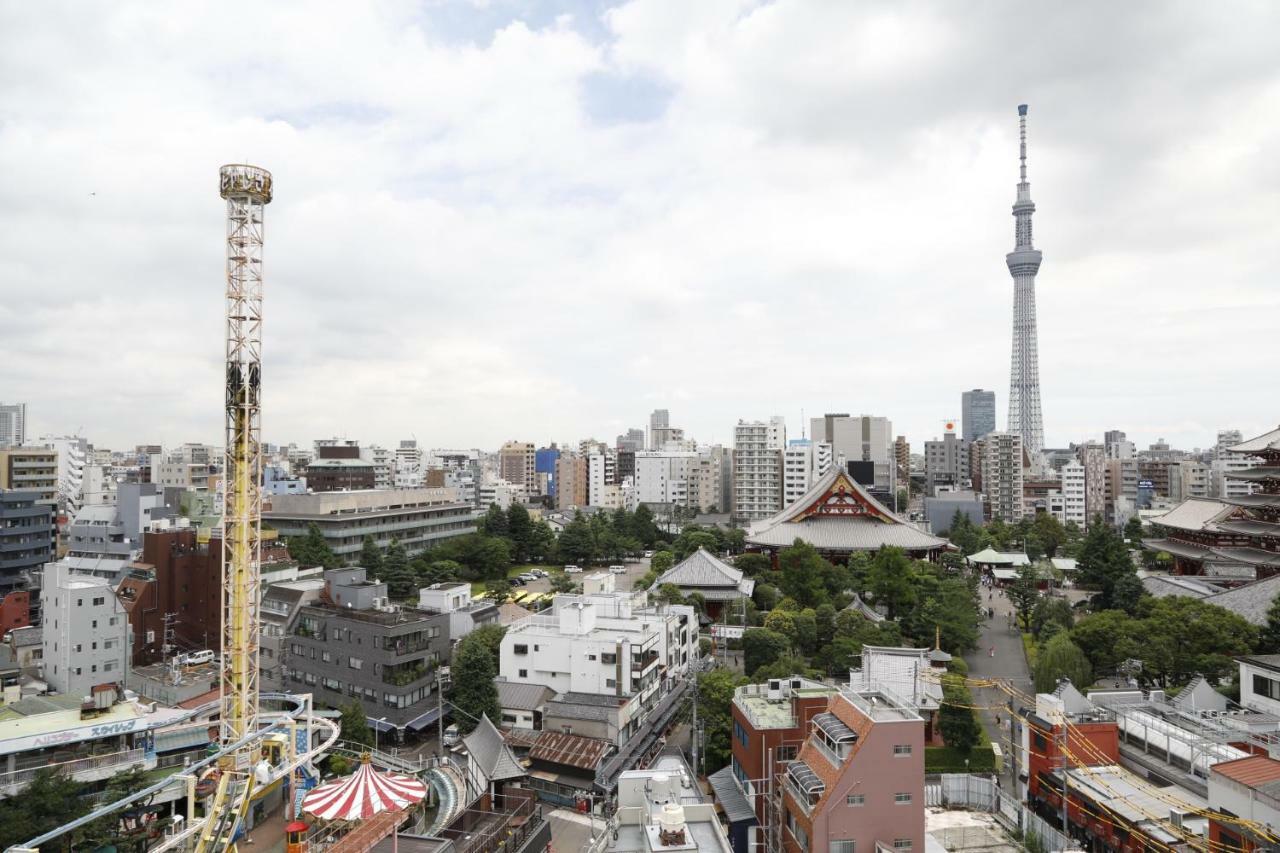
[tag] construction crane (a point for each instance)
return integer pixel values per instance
(247, 190)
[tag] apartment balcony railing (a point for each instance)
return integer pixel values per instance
(18, 778)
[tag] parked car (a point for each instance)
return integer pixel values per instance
(528, 576)
(572, 570)
(517, 581)
(618, 570)
(540, 573)
(648, 554)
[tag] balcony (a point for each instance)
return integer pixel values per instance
(404, 675)
(88, 769)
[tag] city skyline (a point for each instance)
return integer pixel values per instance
(491, 253)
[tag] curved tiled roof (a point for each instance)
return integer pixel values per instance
(1266, 441)
(704, 569)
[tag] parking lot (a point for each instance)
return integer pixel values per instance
(636, 569)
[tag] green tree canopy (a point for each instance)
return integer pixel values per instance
(662, 561)
(371, 557)
(1061, 658)
(494, 522)
(956, 721)
(761, 646)
(753, 565)
(891, 579)
(396, 572)
(715, 704)
(474, 692)
(312, 549)
(1023, 593)
(803, 573)
(577, 544)
(355, 725)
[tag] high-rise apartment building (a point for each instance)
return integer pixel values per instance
(383, 466)
(571, 480)
(408, 466)
(1117, 445)
(1002, 475)
(663, 477)
(902, 455)
(30, 468)
(860, 439)
(1073, 494)
(757, 468)
(1024, 262)
(661, 431)
(977, 413)
(13, 424)
(72, 452)
(1093, 456)
(1225, 464)
(1188, 479)
(518, 465)
(803, 463)
(26, 536)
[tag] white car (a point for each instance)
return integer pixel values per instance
(618, 570)
(528, 576)
(572, 570)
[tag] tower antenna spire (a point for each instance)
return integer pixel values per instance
(1024, 262)
(1022, 142)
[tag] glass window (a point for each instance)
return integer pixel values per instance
(901, 799)
(841, 846)
(902, 844)
(901, 749)
(524, 673)
(855, 800)
(520, 648)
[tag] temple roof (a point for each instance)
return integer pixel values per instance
(1266, 441)
(1256, 475)
(1195, 514)
(704, 569)
(491, 753)
(837, 514)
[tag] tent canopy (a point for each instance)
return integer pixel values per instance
(363, 794)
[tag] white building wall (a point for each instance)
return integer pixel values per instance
(86, 631)
(1073, 493)
(662, 476)
(758, 448)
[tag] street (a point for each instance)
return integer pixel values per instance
(1008, 663)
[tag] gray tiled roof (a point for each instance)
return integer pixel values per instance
(489, 750)
(1250, 601)
(1194, 514)
(1266, 441)
(704, 569)
(522, 697)
(1160, 586)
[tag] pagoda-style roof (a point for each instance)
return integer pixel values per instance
(1269, 441)
(1250, 527)
(1261, 500)
(1256, 475)
(1195, 514)
(992, 557)
(865, 610)
(708, 575)
(837, 514)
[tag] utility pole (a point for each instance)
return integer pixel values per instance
(693, 735)
(1066, 782)
(442, 673)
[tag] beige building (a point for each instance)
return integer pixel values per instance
(1003, 462)
(571, 481)
(32, 468)
(517, 464)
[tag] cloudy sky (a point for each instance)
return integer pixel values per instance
(541, 219)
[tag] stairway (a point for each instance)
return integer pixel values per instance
(225, 813)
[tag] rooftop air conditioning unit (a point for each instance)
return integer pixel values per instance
(775, 689)
(796, 684)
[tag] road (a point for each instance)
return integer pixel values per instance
(1008, 663)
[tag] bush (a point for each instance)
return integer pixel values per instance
(944, 759)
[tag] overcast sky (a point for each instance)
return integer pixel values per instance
(541, 220)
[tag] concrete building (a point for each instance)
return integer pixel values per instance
(356, 645)
(86, 632)
(661, 808)
(662, 477)
(340, 475)
(946, 463)
(13, 424)
(282, 604)
(804, 462)
(633, 440)
(1074, 492)
(1093, 457)
(27, 536)
(384, 467)
(602, 472)
(407, 467)
(757, 468)
(72, 451)
(417, 518)
(571, 481)
(1247, 789)
(518, 464)
(1225, 464)
(864, 438)
(941, 509)
(30, 469)
(465, 613)
(661, 433)
(277, 481)
(977, 414)
(902, 454)
(1188, 479)
(1118, 445)
(1003, 463)
(545, 464)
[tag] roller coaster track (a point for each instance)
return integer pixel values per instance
(329, 731)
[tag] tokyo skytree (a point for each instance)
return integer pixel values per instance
(1024, 262)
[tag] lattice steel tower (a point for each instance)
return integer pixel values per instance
(247, 190)
(1024, 262)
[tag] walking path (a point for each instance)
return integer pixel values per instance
(1008, 663)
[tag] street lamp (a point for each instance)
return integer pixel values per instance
(376, 730)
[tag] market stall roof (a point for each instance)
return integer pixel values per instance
(363, 794)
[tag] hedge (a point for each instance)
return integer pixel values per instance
(944, 759)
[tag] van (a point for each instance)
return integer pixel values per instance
(618, 570)
(197, 658)
(572, 570)
(451, 736)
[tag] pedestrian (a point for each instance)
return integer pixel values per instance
(993, 651)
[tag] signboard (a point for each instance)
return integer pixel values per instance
(72, 735)
(728, 632)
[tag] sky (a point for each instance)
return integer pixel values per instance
(540, 219)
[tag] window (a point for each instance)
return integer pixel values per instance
(901, 750)
(524, 673)
(77, 670)
(855, 800)
(95, 623)
(1266, 687)
(608, 657)
(355, 663)
(109, 666)
(98, 601)
(326, 657)
(79, 602)
(78, 647)
(609, 682)
(787, 753)
(740, 732)
(94, 644)
(901, 799)
(591, 657)
(841, 846)
(93, 668)
(520, 648)
(902, 844)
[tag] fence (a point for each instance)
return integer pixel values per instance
(980, 793)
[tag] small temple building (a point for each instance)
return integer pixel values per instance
(1233, 539)
(721, 586)
(838, 517)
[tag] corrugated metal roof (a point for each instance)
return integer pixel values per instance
(730, 796)
(569, 750)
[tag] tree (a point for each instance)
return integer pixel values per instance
(371, 557)
(494, 522)
(474, 693)
(50, 801)
(1061, 658)
(1049, 532)
(438, 571)
(1269, 636)
(735, 539)
(643, 527)
(715, 704)
(955, 718)
(312, 549)
(890, 578)
(766, 596)
(1133, 532)
(669, 593)
(498, 590)
(802, 573)
(355, 724)
(662, 561)
(560, 582)
(782, 622)
(1051, 611)
(1102, 561)
(490, 557)
(106, 830)
(1023, 594)
(520, 532)
(753, 565)
(491, 637)
(577, 542)
(761, 646)
(690, 541)
(396, 571)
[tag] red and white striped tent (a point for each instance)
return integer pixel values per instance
(363, 794)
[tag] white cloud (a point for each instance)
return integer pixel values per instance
(737, 208)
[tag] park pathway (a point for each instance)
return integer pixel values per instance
(1008, 663)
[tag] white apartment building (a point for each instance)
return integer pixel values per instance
(1002, 475)
(383, 465)
(498, 491)
(803, 463)
(13, 424)
(758, 447)
(663, 476)
(1224, 464)
(408, 467)
(1093, 457)
(602, 643)
(73, 453)
(1073, 494)
(602, 472)
(86, 631)
(465, 614)
(864, 438)
(709, 482)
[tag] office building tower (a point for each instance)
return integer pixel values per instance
(977, 414)
(13, 424)
(860, 439)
